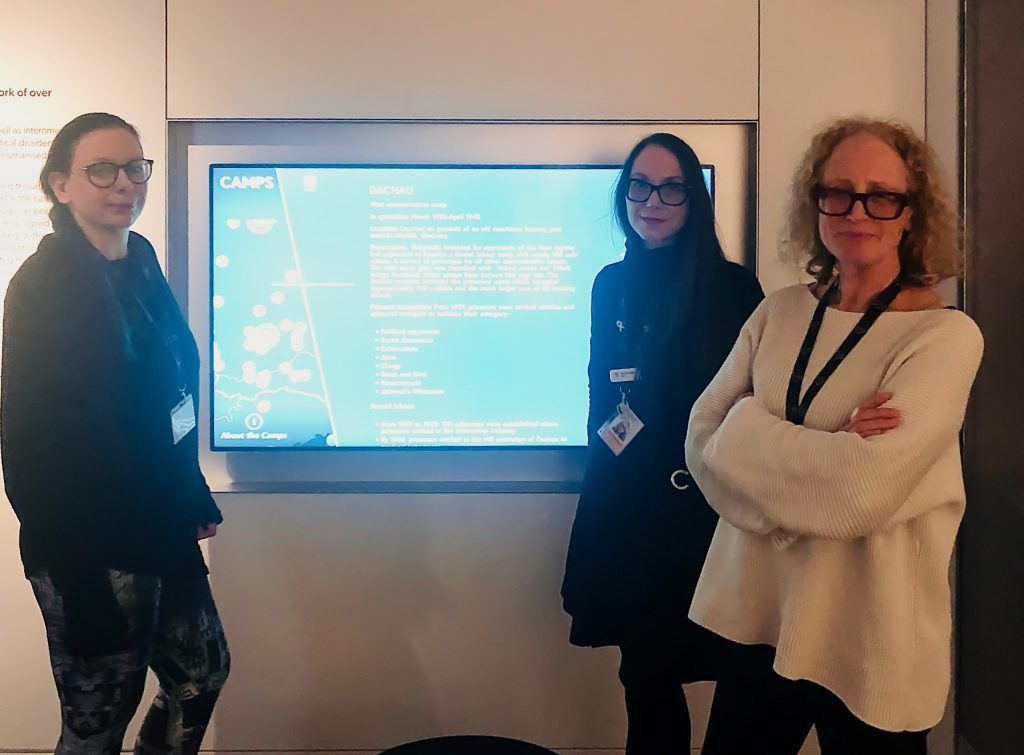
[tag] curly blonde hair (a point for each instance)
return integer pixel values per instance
(930, 250)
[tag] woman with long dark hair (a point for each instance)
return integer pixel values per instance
(663, 321)
(100, 457)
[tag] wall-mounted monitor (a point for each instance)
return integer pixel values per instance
(377, 306)
(303, 291)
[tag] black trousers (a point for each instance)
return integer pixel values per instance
(657, 661)
(756, 711)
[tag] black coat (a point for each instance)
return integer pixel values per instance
(88, 386)
(638, 544)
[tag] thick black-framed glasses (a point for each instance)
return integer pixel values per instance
(880, 205)
(671, 194)
(104, 175)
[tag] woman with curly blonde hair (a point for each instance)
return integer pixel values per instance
(829, 445)
(930, 250)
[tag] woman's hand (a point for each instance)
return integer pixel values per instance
(871, 418)
(209, 530)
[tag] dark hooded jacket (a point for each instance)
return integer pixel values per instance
(96, 355)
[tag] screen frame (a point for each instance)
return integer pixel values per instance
(194, 144)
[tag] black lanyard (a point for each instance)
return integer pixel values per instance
(171, 342)
(136, 287)
(796, 408)
(628, 348)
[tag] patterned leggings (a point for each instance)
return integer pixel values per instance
(180, 639)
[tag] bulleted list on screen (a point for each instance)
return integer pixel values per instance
(404, 307)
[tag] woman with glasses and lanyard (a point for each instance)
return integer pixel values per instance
(829, 445)
(663, 320)
(97, 424)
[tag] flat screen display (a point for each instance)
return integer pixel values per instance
(404, 306)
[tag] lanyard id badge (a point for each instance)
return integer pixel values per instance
(183, 418)
(183, 415)
(618, 431)
(624, 375)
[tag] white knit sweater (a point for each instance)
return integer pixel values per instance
(859, 601)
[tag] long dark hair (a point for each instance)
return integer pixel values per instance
(695, 254)
(699, 232)
(62, 150)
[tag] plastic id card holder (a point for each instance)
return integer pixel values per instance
(183, 418)
(619, 430)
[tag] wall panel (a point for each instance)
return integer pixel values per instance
(88, 61)
(522, 60)
(820, 60)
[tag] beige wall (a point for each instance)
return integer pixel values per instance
(361, 621)
(85, 60)
(527, 59)
(820, 60)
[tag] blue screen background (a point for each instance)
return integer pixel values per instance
(338, 320)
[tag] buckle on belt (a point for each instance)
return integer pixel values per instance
(676, 479)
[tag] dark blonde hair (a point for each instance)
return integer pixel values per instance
(930, 250)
